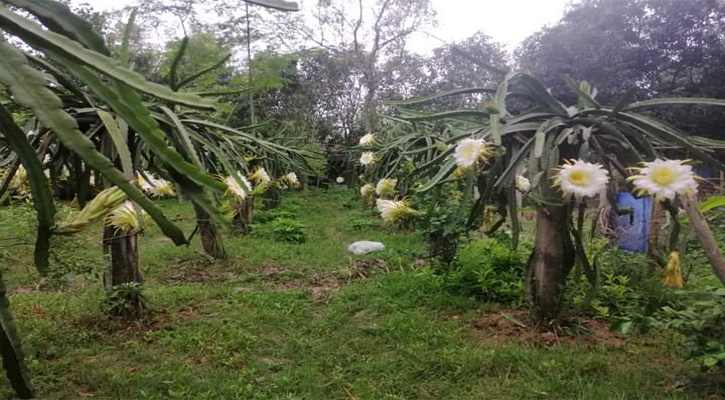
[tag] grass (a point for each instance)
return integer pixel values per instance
(298, 321)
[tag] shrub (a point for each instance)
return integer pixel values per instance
(702, 323)
(125, 300)
(629, 291)
(263, 217)
(289, 230)
(490, 269)
(442, 227)
(359, 224)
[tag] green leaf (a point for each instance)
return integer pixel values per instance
(549, 201)
(281, 5)
(710, 203)
(540, 140)
(710, 361)
(583, 96)
(622, 327)
(52, 42)
(204, 71)
(677, 101)
(42, 197)
(60, 76)
(496, 129)
(130, 107)
(449, 114)
(515, 161)
(184, 136)
(60, 19)
(28, 86)
(445, 170)
(123, 56)
(11, 350)
(448, 93)
(175, 63)
(623, 102)
(513, 319)
(119, 142)
(670, 134)
(539, 93)
(216, 93)
(540, 135)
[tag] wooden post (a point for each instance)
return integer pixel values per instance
(705, 236)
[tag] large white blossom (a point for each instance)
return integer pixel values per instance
(156, 187)
(523, 185)
(260, 177)
(367, 158)
(368, 140)
(664, 179)
(162, 188)
(340, 180)
(124, 218)
(393, 210)
(470, 151)
(581, 179)
(386, 187)
(292, 179)
(237, 190)
(367, 190)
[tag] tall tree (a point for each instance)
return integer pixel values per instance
(369, 32)
(658, 47)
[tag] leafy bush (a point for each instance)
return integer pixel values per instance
(696, 263)
(442, 226)
(125, 300)
(263, 217)
(359, 224)
(289, 230)
(490, 269)
(70, 257)
(702, 323)
(629, 291)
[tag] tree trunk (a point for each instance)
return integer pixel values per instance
(123, 252)
(11, 350)
(550, 263)
(244, 215)
(704, 235)
(210, 240)
(273, 198)
(653, 241)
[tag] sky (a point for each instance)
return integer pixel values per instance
(508, 21)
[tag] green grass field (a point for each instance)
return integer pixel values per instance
(304, 321)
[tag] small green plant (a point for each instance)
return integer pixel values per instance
(69, 259)
(702, 323)
(125, 300)
(359, 224)
(442, 226)
(629, 292)
(289, 230)
(263, 217)
(490, 269)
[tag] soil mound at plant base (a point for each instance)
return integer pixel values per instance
(516, 326)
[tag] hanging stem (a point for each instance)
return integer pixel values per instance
(249, 68)
(704, 235)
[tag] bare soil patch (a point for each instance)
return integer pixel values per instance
(196, 271)
(150, 321)
(319, 286)
(517, 326)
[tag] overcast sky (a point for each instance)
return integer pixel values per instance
(507, 21)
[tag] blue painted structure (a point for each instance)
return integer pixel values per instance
(633, 228)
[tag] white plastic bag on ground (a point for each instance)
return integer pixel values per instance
(365, 247)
